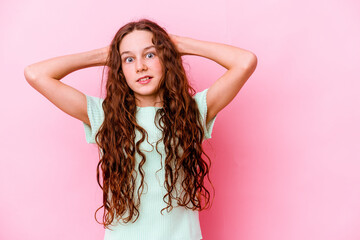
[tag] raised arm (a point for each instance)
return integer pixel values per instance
(45, 77)
(240, 65)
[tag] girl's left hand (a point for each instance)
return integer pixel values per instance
(176, 40)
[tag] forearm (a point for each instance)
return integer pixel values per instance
(61, 66)
(225, 55)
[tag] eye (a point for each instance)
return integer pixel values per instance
(150, 55)
(128, 59)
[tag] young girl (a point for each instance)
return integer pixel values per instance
(150, 126)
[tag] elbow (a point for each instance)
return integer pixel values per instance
(252, 60)
(29, 74)
(246, 61)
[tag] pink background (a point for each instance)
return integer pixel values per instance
(285, 151)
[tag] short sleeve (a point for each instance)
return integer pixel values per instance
(200, 99)
(96, 116)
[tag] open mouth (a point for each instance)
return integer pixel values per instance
(144, 79)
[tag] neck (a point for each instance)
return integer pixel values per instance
(149, 100)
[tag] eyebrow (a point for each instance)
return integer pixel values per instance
(152, 46)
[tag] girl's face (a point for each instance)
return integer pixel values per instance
(141, 66)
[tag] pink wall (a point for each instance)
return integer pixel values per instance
(285, 152)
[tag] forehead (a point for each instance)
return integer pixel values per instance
(136, 41)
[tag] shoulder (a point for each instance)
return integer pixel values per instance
(200, 99)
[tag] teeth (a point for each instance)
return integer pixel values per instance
(144, 79)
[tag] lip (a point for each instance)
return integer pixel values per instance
(144, 77)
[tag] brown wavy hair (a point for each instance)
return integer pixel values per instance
(180, 123)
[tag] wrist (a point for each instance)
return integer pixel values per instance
(100, 56)
(187, 46)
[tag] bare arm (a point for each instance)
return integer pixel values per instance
(240, 65)
(44, 77)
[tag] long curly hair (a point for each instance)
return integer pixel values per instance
(179, 120)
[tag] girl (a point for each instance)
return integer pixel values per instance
(150, 126)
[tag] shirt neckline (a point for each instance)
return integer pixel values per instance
(148, 107)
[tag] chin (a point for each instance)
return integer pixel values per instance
(146, 91)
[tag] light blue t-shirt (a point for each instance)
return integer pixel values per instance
(178, 224)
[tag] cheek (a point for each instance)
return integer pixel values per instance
(127, 73)
(157, 66)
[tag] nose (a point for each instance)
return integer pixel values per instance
(140, 66)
